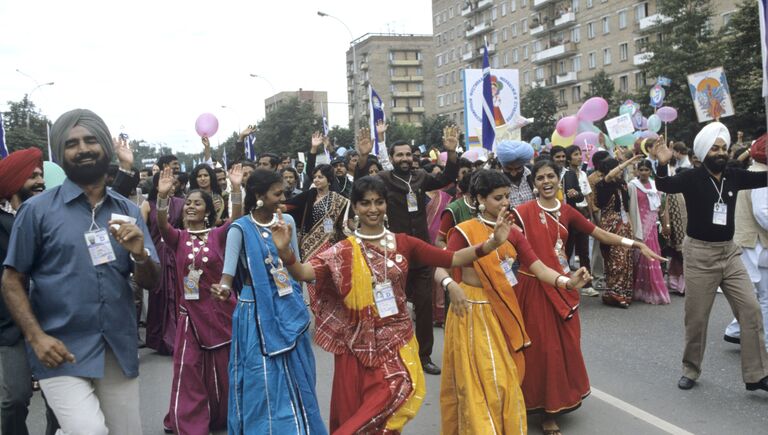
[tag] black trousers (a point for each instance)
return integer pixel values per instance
(418, 288)
(580, 242)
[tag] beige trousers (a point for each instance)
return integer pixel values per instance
(707, 266)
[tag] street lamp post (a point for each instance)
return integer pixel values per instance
(237, 115)
(38, 85)
(354, 68)
(274, 90)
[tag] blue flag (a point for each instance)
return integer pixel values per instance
(325, 131)
(763, 10)
(3, 146)
(376, 109)
(250, 152)
(489, 134)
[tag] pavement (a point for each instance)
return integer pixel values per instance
(633, 359)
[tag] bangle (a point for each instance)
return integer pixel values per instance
(163, 203)
(291, 260)
(627, 242)
(561, 284)
(445, 282)
(146, 252)
(236, 198)
(224, 286)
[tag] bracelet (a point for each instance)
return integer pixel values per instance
(146, 252)
(163, 203)
(224, 286)
(559, 283)
(627, 242)
(446, 282)
(291, 260)
(236, 198)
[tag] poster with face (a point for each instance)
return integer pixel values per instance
(505, 93)
(710, 94)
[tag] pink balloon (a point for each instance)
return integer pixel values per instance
(667, 114)
(206, 125)
(566, 127)
(593, 109)
(584, 139)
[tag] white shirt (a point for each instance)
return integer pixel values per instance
(586, 189)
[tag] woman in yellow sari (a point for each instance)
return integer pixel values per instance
(483, 364)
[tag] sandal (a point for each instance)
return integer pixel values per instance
(551, 431)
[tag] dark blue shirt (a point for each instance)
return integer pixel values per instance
(83, 305)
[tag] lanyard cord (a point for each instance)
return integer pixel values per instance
(719, 191)
(407, 183)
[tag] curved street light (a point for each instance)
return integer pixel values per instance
(354, 66)
(274, 90)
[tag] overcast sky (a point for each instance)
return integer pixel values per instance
(151, 67)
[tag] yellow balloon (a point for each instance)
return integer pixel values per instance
(562, 141)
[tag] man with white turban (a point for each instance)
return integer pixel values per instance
(712, 258)
(513, 156)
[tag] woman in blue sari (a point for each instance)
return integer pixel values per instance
(271, 366)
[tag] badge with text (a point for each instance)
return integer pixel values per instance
(327, 225)
(509, 271)
(192, 285)
(384, 296)
(410, 199)
(282, 281)
(99, 246)
(720, 214)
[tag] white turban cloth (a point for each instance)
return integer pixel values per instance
(707, 137)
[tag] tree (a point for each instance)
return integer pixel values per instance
(410, 133)
(744, 71)
(687, 45)
(342, 137)
(541, 105)
(25, 127)
(432, 130)
(288, 128)
(601, 85)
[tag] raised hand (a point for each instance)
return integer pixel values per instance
(661, 151)
(451, 138)
(579, 278)
(236, 177)
(124, 153)
(317, 140)
(248, 130)
(502, 229)
(206, 142)
(381, 128)
(165, 182)
(364, 142)
(281, 234)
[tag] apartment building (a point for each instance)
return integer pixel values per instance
(560, 44)
(319, 100)
(400, 68)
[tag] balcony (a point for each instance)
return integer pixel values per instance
(536, 30)
(407, 109)
(363, 66)
(558, 51)
(407, 94)
(652, 21)
(405, 62)
(538, 83)
(479, 29)
(566, 78)
(481, 5)
(539, 4)
(401, 79)
(642, 58)
(468, 56)
(565, 20)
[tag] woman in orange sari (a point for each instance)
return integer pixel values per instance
(483, 363)
(358, 298)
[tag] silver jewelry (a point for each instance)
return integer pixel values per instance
(481, 207)
(551, 210)
(356, 220)
(465, 202)
(386, 221)
(163, 204)
(259, 204)
(266, 225)
(362, 236)
(486, 221)
(629, 243)
(146, 251)
(237, 198)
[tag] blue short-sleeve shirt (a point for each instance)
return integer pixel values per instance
(83, 305)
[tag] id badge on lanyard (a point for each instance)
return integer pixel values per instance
(282, 281)
(410, 199)
(192, 285)
(509, 271)
(327, 225)
(99, 246)
(720, 214)
(384, 296)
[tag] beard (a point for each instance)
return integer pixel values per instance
(87, 173)
(516, 178)
(715, 164)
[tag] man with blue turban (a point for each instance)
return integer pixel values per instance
(513, 156)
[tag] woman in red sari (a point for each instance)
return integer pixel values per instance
(556, 379)
(358, 298)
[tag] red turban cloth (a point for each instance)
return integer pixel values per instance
(16, 169)
(757, 151)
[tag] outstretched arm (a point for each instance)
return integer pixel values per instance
(281, 235)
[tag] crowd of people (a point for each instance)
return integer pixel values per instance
(242, 268)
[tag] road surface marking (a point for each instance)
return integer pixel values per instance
(639, 413)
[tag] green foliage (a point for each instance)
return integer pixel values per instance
(407, 132)
(287, 129)
(25, 127)
(432, 130)
(342, 137)
(541, 105)
(688, 46)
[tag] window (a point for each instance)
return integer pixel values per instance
(592, 60)
(576, 34)
(606, 56)
(623, 51)
(455, 98)
(453, 77)
(494, 61)
(576, 63)
(606, 25)
(504, 35)
(439, 101)
(576, 94)
(504, 9)
(525, 52)
(439, 81)
(514, 30)
(641, 11)
(639, 80)
(419, 103)
(461, 96)
(513, 5)
(439, 63)
(450, 12)
(523, 3)
(623, 84)
(623, 19)
(589, 4)
(539, 73)
(561, 66)
(506, 59)
(515, 55)
(727, 19)
(494, 13)
(561, 97)
(537, 46)
(591, 30)
(575, 5)
(418, 71)
(524, 25)
(527, 77)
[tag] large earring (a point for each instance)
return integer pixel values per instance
(386, 221)
(357, 222)
(259, 204)
(207, 222)
(535, 192)
(481, 207)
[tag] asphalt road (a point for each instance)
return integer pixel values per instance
(633, 358)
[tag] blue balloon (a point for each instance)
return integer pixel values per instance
(536, 141)
(340, 151)
(53, 175)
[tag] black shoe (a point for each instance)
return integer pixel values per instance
(729, 339)
(762, 385)
(685, 383)
(430, 367)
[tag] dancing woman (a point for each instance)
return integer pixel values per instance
(361, 315)
(204, 329)
(271, 365)
(483, 363)
(556, 380)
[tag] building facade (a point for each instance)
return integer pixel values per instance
(401, 70)
(559, 44)
(319, 100)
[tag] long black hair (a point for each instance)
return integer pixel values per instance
(210, 209)
(258, 184)
(215, 188)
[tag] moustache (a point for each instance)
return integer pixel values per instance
(85, 156)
